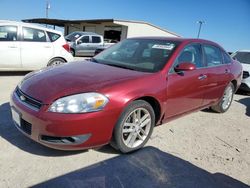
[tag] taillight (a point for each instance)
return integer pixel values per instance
(66, 47)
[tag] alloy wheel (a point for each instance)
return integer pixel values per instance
(136, 127)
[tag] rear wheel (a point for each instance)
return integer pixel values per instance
(134, 127)
(56, 61)
(226, 100)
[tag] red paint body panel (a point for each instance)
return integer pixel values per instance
(176, 94)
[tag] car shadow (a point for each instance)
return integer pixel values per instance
(246, 102)
(14, 73)
(242, 92)
(148, 167)
(9, 132)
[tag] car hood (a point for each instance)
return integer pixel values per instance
(49, 84)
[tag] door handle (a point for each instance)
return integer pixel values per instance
(227, 71)
(12, 46)
(47, 46)
(202, 77)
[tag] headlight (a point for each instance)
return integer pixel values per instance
(80, 103)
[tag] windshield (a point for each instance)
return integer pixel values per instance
(73, 36)
(147, 55)
(243, 57)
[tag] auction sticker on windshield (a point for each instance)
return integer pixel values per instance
(168, 46)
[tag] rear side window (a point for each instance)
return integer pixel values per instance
(96, 39)
(212, 55)
(33, 35)
(227, 59)
(8, 33)
(53, 36)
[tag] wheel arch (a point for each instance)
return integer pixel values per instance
(234, 82)
(56, 58)
(155, 105)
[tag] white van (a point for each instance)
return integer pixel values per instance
(25, 46)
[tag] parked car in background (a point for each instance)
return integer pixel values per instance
(25, 46)
(85, 43)
(243, 56)
(124, 92)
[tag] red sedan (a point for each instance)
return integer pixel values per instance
(122, 93)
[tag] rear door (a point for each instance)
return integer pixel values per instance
(218, 73)
(9, 47)
(36, 49)
(185, 90)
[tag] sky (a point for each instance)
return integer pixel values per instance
(227, 22)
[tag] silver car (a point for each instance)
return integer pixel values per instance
(84, 43)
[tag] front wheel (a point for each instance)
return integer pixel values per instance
(226, 100)
(134, 127)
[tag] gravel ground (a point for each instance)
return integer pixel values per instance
(211, 142)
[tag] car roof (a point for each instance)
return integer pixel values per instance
(243, 51)
(28, 25)
(85, 33)
(180, 39)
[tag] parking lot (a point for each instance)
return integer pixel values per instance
(200, 149)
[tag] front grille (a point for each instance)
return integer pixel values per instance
(245, 74)
(28, 100)
(26, 127)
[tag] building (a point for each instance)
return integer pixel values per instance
(109, 28)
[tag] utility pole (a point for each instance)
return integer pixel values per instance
(200, 22)
(47, 9)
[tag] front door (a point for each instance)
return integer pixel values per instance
(185, 90)
(83, 46)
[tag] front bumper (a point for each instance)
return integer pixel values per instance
(64, 131)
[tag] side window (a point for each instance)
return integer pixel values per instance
(192, 54)
(96, 39)
(84, 39)
(8, 33)
(53, 36)
(212, 55)
(33, 35)
(227, 59)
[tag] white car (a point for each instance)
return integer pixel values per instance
(243, 56)
(25, 46)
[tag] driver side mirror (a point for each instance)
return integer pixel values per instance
(185, 66)
(79, 42)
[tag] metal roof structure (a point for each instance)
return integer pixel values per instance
(62, 22)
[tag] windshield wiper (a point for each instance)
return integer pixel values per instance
(120, 66)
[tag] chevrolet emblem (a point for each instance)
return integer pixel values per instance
(22, 98)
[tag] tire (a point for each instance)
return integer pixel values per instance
(56, 61)
(72, 51)
(226, 100)
(134, 127)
